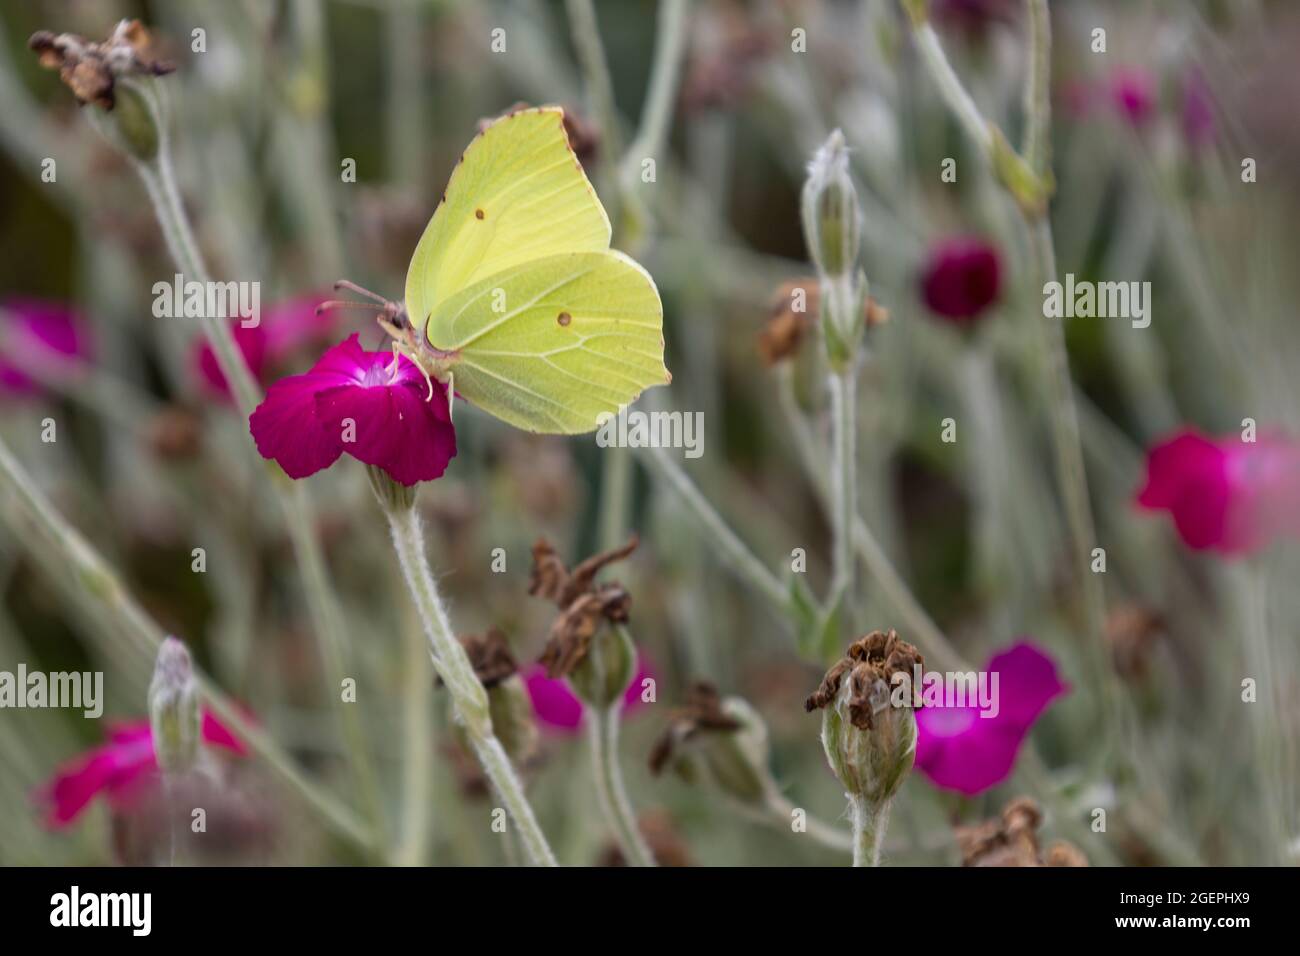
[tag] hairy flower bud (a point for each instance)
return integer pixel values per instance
(870, 743)
(606, 670)
(832, 221)
(174, 708)
(720, 742)
(393, 495)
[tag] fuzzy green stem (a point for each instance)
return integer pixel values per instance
(844, 482)
(602, 733)
(951, 89)
(453, 666)
(85, 566)
(734, 552)
(869, 825)
(670, 45)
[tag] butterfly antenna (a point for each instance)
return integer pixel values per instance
(353, 287)
(342, 304)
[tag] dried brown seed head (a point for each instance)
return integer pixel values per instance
(489, 653)
(1012, 840)
(868, 660)
(702, 712)
(91, 69)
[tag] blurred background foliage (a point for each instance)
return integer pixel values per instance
(286, 90)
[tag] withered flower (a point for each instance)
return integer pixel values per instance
(584, 605)
(509, 704)
(91, 69)
(1012, 840)
(489, 654)
(718, 741)
(795, 308)
(1132, 633)
(702, 713)
(869, 663)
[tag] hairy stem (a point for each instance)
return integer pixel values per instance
(734, 552)
(453, 666)
(844, 483)
(602, 732)
(869, 824)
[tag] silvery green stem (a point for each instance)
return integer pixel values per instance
(833, 838)
(733, 551)
(602, 732)
(585, 32)
(844, 481)
(951, 89)
(869, 550)
(453, 666)
(869, 825)
(670, 45)
(83, 565)
(1038, 104)
(160, 184)
(417, 699)
(615, 496)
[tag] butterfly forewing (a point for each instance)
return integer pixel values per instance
(517, 194)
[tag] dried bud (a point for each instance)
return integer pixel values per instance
(174, 708)
(509, 705)
(175, 434)
(1012, 840)
(719, 742)
(585, 607)
(869, 740)
(1133, 633)
(795, 308)
(584, 138)
(832, 221)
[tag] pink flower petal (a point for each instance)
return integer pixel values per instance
(962, 277)
(558, 708)
(960, 750)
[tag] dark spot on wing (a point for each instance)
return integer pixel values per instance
(479, 214)
(564, 318)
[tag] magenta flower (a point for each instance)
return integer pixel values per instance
(961, 278)
(373, 405)
(1225, 495)
(1133, 94)
(284, 328)
(558, 707)
(34, 325)
(117, 769)
(960, 750)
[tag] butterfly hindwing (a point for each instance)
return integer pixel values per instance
(550, 344)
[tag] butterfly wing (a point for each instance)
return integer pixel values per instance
(550, 344)
(517, 194)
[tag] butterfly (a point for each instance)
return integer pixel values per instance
(514, 298)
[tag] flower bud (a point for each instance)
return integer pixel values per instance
(720, 742)
(832, 221)
(870, 742)
(606, 671)
(174, 708)
(509, 704)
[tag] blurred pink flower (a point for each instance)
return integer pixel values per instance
(1199, 126)
(35, 324)
(1133, 93)
(960, 750)
(1227, 495)
(117, 769)
(373, 405)
(284, 328)
(961, 278)
(559, 709)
